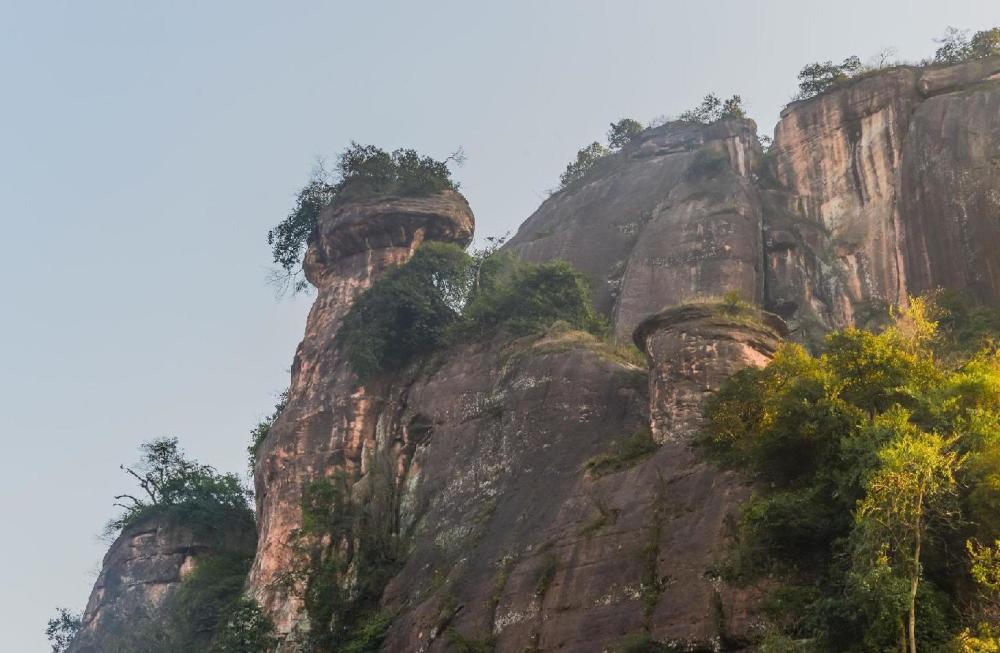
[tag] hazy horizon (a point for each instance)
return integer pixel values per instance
(149, 147)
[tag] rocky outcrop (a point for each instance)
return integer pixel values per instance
(512, 534)
(142, 572)
(329, 422)
(673, 217)
(692, 350)
(885, 188)
(874, 191)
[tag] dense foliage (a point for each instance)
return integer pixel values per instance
(816, 78)
(623, 132)
(878, 469)
(957, 46)
(173, 485)
(363, 171)
(713, 109)
(352, 549)
(443, 295)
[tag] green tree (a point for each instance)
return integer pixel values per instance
(62, 629)
(956, 46)
(817, 78)
(585, 159)
(713, 109)
(912, 487)
(362, 171)
(171, 482)
(623, 132)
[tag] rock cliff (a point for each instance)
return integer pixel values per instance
(142, 572)
(521, 529)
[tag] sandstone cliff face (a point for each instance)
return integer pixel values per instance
(141, 573)
(871, 192)
(671, 218)
(329, 422)
(885, 187)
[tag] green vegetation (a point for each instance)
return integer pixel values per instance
(624, 454)
(363, 171)
(640, 643)
(877, 465)
(713, 109)
(586, 157)
(62, 628)
(620, 134)
(957, 46)
(623, 132)
(817, 78)
(351, 547)
(462, 644)
(443, 296)
(260, 432)
(174, 486)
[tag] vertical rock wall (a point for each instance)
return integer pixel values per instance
(329, 421)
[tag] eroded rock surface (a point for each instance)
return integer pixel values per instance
(141, 574)
(329, 421)
(673, 217)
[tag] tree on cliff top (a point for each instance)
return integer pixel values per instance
(363, 171)
(172, 483)
(713, 109)
(816, 78)
(956, 46)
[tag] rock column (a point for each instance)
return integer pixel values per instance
(691, 350)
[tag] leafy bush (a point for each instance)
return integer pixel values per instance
(246, 629)
(442, 295)
(623, 132)
(363, 171)
(524, 298)
(408, 312)
(817, 78)
(355, 548)
(585, 159)
(956, 46)
(171, 484)
(62, 628)
(712, 109)
(624, 454)
(873, 461)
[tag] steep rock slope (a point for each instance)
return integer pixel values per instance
(329, 422)
(142, 572)
(881, 188)
(672, 217)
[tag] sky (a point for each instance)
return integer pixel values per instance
(147, 147)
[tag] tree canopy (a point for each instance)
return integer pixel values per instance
(362, 171)
(170, 483)
(443, 295)
(877, 466)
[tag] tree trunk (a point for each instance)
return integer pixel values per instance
(913, 594)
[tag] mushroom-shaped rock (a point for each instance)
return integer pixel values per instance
(692, 350)
(385, 223)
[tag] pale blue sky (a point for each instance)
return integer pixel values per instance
(146, 148)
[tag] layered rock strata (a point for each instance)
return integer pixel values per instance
(142, 572)
(329, 422)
